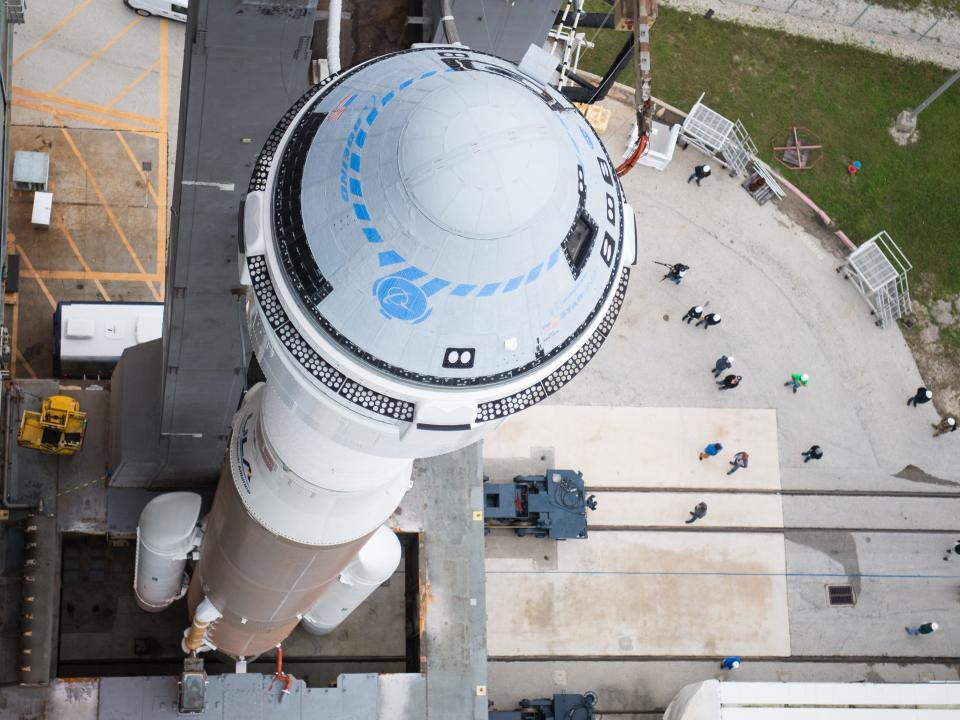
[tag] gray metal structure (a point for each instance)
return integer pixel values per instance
(244, 65)
(505, 29)
(727, 140)
(552, 505)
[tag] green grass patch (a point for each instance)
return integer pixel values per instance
(848, 97)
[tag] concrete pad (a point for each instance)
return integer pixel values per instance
(639, 594)
(637, 447)
(662, 509)
(882, 513)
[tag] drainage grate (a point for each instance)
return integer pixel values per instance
(841, 595)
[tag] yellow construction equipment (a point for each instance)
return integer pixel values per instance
(58, 428)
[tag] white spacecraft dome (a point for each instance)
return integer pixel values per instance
(445, 219)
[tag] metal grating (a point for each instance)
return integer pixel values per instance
(710, 127)
(841, 595)
(872, 265)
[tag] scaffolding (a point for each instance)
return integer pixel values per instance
(878, 269)
(719, 137)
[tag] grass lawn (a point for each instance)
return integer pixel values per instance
(847, 96)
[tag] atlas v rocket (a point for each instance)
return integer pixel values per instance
(432, 241)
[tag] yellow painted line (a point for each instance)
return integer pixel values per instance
(91, 107)
(91, 275)
(137, 166)
(93, 58)
(93, 120)
(54, 30)
(33, 271)
(103, 202)
(131, 85)
(162, 150)
(26, 365)
(83, 262)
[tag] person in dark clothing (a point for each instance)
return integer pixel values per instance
(926, 629)
(922, 396)
(729, 382)
(694, 313)
(700, 172)
(698, 513)
(740, 460)
(814, 453)
(722, 363)
(709, 320)
(947, 425)
(676, 273)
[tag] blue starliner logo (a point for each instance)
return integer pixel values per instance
(401, 299)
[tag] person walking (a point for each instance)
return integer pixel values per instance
(955, 550)
(711, 450)
(947, 425)
(731, 662)
(676, 273)
(797, 380)
(700, 172)
(814, 453)
(928, 628)
(698, 513)
(922, 396)
(709, 320)
(729, 382)
(723, 363)
(694, 313)
(740, 460)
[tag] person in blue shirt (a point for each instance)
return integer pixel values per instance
(711, 450)
(731, 662)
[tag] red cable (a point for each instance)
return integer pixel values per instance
(627, 165)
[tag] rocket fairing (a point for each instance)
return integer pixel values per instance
(433, 240)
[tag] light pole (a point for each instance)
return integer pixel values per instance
(907, 119)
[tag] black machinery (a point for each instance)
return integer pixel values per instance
(560, 707)
(553, 505)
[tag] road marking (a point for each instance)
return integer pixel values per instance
(91, 275)
(225, 187)
(137, 166)
(76, 251)
(92, 107)
(26, 364)
(60, 112)
(93, 58)
(54, 30)
(113, 218)
(136, 81)
(40, 282)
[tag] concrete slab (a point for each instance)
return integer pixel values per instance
(637, 446)
(647, 510)
(641, 594)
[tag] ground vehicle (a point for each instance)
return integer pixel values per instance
(176, 10)
(57, 429)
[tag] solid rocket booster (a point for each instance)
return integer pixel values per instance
(433, 241)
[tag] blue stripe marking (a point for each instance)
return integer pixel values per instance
(355, 187)
(387, 98)
(405, 84)
(434, 286)
(371, 116)
(554, 256)
(350, 100)
(488, 289)
(534, 274)
(361, 138)
(410, 273)
(354, 162)
(513, 284)
(427, 74)
(360, 211)
(462, 289)
(373, 236)
(389, 257)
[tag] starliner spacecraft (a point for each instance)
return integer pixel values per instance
(432, 241)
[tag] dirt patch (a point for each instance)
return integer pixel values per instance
(933, 334)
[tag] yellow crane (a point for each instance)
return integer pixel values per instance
(58, 428)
